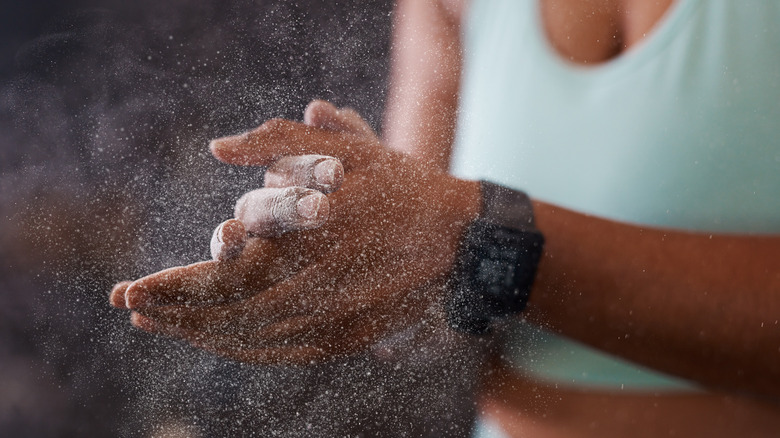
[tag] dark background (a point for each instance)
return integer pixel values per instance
(106, 108)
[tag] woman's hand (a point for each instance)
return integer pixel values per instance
(376, 265)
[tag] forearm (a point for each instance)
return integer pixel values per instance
(701, 306)
(422, 102)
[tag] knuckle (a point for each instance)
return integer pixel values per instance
(274, 126)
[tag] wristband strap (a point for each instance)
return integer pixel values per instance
(496, 263)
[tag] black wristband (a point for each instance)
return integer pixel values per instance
(496, 263)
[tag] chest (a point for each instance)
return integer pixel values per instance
(680, 132)
(594, 31)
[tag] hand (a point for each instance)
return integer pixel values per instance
(284, 205)
(391, 237)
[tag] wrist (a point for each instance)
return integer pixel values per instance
(462, 200)
(496, 262)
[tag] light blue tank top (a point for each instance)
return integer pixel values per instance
(682, 130)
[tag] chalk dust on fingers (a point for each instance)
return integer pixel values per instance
(228, 240)
(270, 212)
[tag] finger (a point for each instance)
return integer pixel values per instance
(278, 138)
(291, 332)
(317, 172)
(205, 341)
(289, 297)
(228, 240)
(232, 348)
(295, 355)
(149, 325)
(360, 312)
(323, 114)
(262, 263)
(348, 262)
(270, 212)
(117, 296)
(339, 334)
(313, 291)
(178, 284)
(351, 333)
(212, 341)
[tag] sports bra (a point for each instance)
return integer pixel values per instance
(682, 130)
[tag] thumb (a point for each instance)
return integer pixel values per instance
(279, 138)
(325, 115)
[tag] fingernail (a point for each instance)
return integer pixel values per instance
(137, 297)
(219, 234)
(309, 205)
(228, 240)
(132, 297)
(326, 172)
(217, 245)
(219, 147)
(117, 296)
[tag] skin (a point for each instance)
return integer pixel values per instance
(592, 265)
(700, 306)
(228, 240)
(697, 305)
(376, 266)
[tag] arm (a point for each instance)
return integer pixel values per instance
(680, 302)
(425, 77)
(701, 306)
